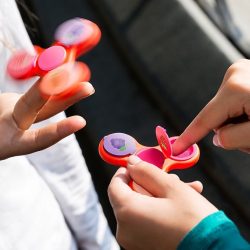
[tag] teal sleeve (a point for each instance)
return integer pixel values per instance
(215, 232)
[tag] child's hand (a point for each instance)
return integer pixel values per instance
(19, 112)
(158, 222)
(232, 100)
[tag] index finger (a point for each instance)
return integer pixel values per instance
(28, 107)
(209, 118)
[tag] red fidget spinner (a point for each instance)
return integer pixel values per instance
(73, 38)
(117, 147)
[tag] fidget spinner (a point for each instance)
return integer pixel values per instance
(73, 38)
(116, 148)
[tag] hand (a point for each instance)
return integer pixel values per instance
(232, 100)
(19, 112)
(158, 222)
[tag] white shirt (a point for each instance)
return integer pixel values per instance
(47, 199)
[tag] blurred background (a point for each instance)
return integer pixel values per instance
(158, 63)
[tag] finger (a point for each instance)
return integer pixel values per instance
(210, 117)
(27, 107)
(59, 82)
(38, 139)
(53, 107)
(118, 191)
(151, 178)
(196, 185)
(233, 136)
(139, 189)
(143, 191)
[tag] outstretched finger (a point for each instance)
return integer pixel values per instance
(28, 106)
(37, 139)
(210, 117)
(52, 107)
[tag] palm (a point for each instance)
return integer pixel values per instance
(19, 112)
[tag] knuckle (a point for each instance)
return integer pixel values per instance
(237, 75)
(238, 65)
(143, 168)
(113, 195)
(142, 164)
(236, 82)
(171, 183)
(174, 177)
(110, 190)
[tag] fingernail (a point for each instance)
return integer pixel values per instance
(81, 120)
(216, 141)
(90, 88)
(133, 160)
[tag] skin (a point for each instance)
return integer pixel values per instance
(172, 208)
(231, 101)
(163, 219)
(19, 112)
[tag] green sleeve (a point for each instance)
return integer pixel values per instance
(215, 232)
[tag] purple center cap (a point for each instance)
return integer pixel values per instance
(73, 32)
(119, 144)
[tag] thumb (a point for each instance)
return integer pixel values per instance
(233, 136)
(151, 178)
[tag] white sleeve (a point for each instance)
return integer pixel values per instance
(62, 166)
(64, 169)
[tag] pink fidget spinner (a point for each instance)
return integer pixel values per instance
(73, 38)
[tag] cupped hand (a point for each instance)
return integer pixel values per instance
(19, 112)
(159, 221)
(227, 114)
